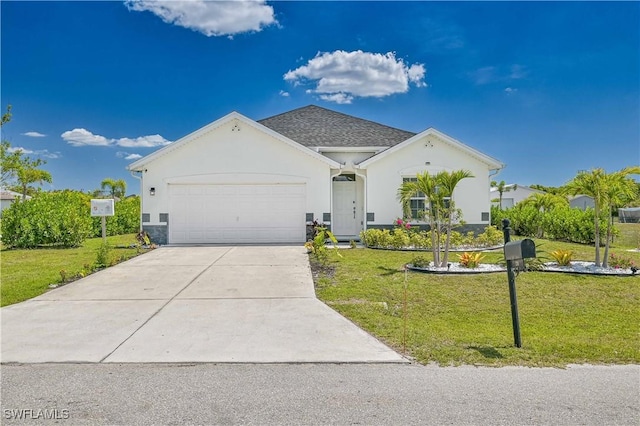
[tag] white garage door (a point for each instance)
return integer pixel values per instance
(205, 214)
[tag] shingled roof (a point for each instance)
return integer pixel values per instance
(314, 126)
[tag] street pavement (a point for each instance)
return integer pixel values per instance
(318, 394)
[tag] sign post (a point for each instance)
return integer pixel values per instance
(103, 208)
(514, 253)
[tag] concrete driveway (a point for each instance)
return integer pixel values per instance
(248, 304)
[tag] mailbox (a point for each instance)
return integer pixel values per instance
(521, 249)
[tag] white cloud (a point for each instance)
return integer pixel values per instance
(142, 142)
(39, 152)
(510, 90)
(341, 76)
(211, 18)
(284, 94)
(339, 98)
(83, 137)
(34, 134)
(127, 156)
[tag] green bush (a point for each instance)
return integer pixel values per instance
(562, 223)
(126, 218)
(49, 218)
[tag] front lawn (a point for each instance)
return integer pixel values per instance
(454, 319)
(28, 273)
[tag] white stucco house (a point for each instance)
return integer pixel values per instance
(237, 180)
(582, 202)
(512, 196)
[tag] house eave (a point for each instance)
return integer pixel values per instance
(491, 162)
(140, 164)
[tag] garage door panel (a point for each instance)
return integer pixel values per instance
(237, 213)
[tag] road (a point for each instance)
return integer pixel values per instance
(314, 394)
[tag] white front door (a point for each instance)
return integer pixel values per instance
(344, 220)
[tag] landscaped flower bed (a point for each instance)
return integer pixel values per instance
(403, 237)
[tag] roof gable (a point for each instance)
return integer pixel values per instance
(139, 164)
(489, 161)
(313, 126)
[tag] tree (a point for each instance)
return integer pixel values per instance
(603, 188)
(29, 173)
(9, 159)
(440, 210)
(544, 202)
(116, 188)
(447, 183)
(620, 191)
(424, 185)
(17, 168)
(502, 188)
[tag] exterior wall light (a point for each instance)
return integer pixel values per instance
(152, 191)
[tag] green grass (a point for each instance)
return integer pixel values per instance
(454, 319)
(28, 273)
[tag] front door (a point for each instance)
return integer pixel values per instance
(344, 219)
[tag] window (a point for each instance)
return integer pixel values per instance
(417, 202)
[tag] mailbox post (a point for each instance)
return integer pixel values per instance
(514, 253)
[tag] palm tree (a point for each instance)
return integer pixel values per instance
(544, 202)
(117, 188)
(620, 190)
(602, 188)
(447, 183)
(436, 189)
(502, 187)
(427, 186)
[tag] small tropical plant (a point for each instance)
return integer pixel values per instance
(420, 262)
(470, 260)
(102, 255)
(317, 246)
(562, 257)
(621, 262)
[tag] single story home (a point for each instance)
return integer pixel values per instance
(512, 195)
(237, 180)
(582, 202)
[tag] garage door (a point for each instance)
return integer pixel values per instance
(205, 214)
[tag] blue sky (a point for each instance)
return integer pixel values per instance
(548, 88)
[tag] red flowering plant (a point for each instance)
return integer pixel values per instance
(401, 223)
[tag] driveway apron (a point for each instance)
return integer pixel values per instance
(244, 304)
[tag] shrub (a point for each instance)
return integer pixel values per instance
(49, 218)
(102, 255)
(400, 238)
(420, 262)
(470, 260)
(621, 262)
(490, 237)
(562, 257)
(562, 223)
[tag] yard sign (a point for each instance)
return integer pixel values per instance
(103, 208)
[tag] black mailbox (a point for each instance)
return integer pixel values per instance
(521, 249)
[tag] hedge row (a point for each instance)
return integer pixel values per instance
(400, 237)
(63, 218)
(561, 223)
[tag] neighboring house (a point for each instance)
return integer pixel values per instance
(237, 180)
(513, 196)
(9, 197)
(581, 202)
